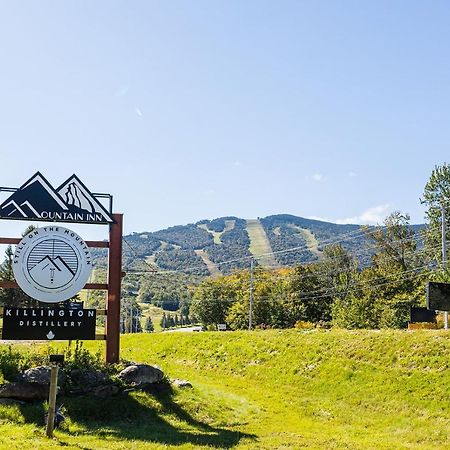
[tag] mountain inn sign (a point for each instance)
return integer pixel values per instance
(52, 264)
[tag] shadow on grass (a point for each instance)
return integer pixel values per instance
(139, 417)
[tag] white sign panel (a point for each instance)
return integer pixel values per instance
(52, 264)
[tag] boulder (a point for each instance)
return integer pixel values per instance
(141, 375)
(182, 384)
(24, 391)
(41, 375)
(85, 381)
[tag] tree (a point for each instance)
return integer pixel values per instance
(307, 299)
(436, 195)
(149, 328)
(212, 300)
(163, 322)
(338, 271)
(383, 293)
(397, 242)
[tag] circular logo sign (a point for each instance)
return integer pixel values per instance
(52, 264)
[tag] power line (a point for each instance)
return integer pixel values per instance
(357, 234)
(302, 296)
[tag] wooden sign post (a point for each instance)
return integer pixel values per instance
(114, 290)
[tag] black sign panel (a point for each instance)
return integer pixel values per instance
(38, 200)
(438, 296)
(422, 315)
(48, 324)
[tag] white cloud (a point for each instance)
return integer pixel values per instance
(317, 177)
(322, 219)
(370, 216)
(138, 112)
(352, 174)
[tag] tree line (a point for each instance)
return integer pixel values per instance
(338, 290)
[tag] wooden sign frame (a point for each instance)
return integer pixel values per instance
(113, 285)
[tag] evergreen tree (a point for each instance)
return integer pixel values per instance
(170, 321)
(149, 325)
(163, 322)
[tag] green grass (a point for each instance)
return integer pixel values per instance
(311, 241)
(229, 225)
(259, 243)
(154, 312)
(266, 390)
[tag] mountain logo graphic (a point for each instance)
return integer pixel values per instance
(52, 264)
(38, 200)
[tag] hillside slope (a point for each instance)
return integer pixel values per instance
(270, 390)
(211, 247)
(319, 389)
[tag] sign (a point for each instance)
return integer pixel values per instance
(422, 315)
(52, 264)
(48, 323)
(70, 202)
(438, 296)
(221, 327)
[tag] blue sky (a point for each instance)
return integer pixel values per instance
(186, 110)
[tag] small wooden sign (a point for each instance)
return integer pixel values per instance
(48, 324)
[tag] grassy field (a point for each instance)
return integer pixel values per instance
(265, 390)
(213, 270)
(259, 243)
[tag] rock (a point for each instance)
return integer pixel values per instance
(24, 391)
(141, 375)
(88, 377)
(105, 390)
(41, 375)
(181, 384)
(85, 381)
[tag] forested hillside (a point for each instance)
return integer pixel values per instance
(214, 247)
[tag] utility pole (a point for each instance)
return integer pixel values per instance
(131, 318)
(250, 313)
(444, 254)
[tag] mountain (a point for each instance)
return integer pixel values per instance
(77, 196)
(18, 205)
(213, 247)
(51, 272)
